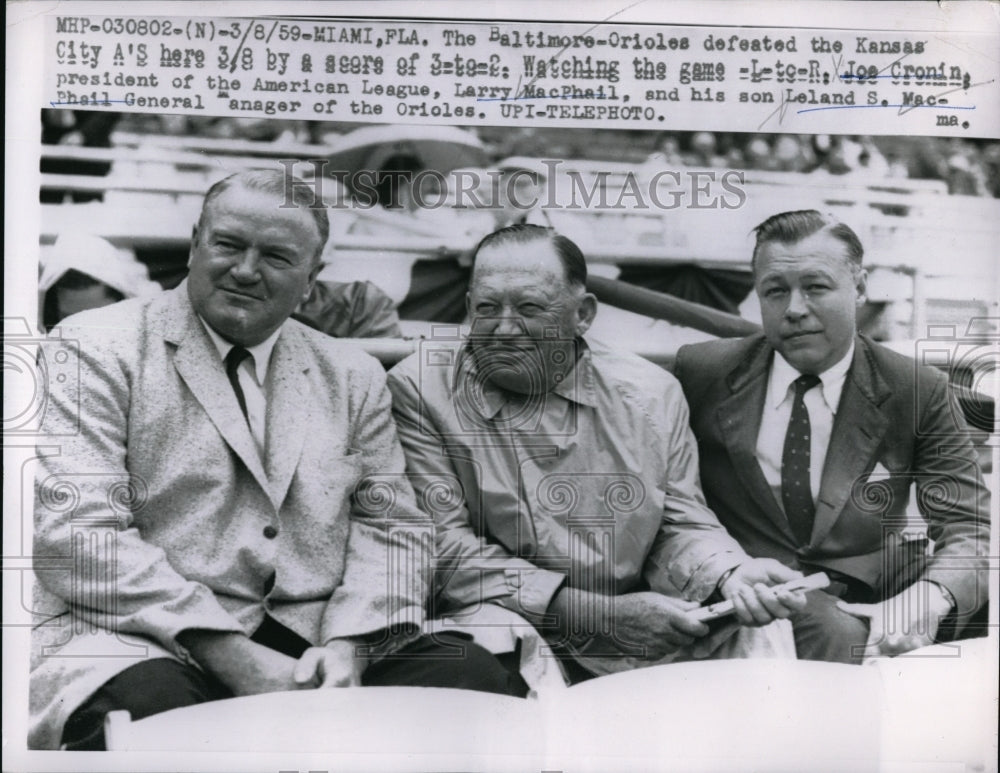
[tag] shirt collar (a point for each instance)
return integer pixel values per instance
(488, 399)
(261, 352)
(832, 380)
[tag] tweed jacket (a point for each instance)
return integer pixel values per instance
(155, 512)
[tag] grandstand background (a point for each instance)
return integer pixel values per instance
(925, 208)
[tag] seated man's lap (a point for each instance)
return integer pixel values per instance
(162, 684)
(446, 660)
(147, 688)
(825, 632)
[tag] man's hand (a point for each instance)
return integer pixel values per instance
(245, 667)
(334, 665)
(658, 623)
(755, 603)
(904, 622)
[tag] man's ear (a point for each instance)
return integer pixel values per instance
(861, 286)
(585, 313)
(194, 241)
(313, 273)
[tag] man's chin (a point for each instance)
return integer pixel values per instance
(804, 360)
(237, 329)
(521, 384)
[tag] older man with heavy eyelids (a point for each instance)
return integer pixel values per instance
(565, 474)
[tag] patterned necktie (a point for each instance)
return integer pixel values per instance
(236, 356)
(796, 490)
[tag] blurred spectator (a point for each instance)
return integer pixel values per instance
(898, 169)
(757, 153)
(966, 173)
(702, 152)
(787, 153)
(855, 156)
(667, 154)
(85, 128)
(991, 167)
(394, 184)
(404, 185)
(735, 159)
(871, 162)
(350, 310)
(520, 194)
(81, 271)
(525, 141)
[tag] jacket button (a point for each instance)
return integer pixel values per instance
(270, 531)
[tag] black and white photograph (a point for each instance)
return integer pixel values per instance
(444, 387)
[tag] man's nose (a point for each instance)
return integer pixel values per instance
(798, 305)
(509, 324)
(247, 266)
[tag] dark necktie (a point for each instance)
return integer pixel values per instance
(236, 355)
(796, 490)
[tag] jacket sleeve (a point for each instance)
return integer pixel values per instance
(88, 551)
(692, 549)
(469, 569)
(373, 314)
(952, 496)
(350, 310)
(389, 546)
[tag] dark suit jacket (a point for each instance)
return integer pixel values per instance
(893, 413)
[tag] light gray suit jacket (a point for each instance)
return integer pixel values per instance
(152, 500)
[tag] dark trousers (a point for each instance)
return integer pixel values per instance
(161, 684)
(824, 632)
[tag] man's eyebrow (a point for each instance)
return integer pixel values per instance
(220, 229)
(818, 271)
(537, 297)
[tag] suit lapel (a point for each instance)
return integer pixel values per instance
(287, 413)
(739, 418)
(198, 364)
(858, 430)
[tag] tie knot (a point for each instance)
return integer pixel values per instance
(804, 383)
(236, 356)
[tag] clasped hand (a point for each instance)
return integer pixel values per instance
(331, 666)
(249, 668)
(754, 600)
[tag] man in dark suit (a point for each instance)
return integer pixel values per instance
(811, 437)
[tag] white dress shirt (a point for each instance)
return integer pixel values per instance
(821, 402)
(252, 374)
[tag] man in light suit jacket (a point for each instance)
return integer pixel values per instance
(221, 505)
(810, 438)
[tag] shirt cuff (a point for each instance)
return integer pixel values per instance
(531, 592)
(707, 577)
(949, 597)
(380, 644)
